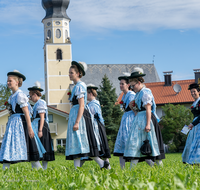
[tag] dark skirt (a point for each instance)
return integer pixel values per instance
(105, 150)
(160, 144)
(47, 142)
(94, 152)
(159, 138)
(32, 150)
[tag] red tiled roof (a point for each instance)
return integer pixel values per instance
(165, 94)
(58, 110)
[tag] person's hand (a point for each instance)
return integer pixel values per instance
(40, 134)
(131, 104)
(31, 133)
(76, 126)
(147, 128)
(190, 126)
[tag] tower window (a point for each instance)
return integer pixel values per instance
(49, 34)
(58, 33)
(59, 54)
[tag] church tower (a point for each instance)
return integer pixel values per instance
(57, 53)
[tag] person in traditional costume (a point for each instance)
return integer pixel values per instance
(127, 119)
(98, 122)
(81, 140)
(19, 144)
(145, 126)
(191, 153)
(40, 123)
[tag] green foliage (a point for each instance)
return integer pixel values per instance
(5, 93)
(172, 148)
(62, 175)
(176, 116)
(111, 113)
(61, 149)
(43, 97)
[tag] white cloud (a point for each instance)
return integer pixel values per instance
(97, 15)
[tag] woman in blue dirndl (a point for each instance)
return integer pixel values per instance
(81, 140)
(126, 121)
(40, 123)
(19, 144)
(144, 126)
(191, 153)
(98, 123)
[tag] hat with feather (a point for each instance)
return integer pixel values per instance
(81, 65)
(36, 87)
(137, 72)
(17, 73)
(125, 77)
(92, 86)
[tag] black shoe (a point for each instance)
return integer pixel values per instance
(105, 165)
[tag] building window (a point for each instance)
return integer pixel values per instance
(57, 22)
(49, 34)
(48, 24)
(61, 142)
(50, 116)
(58, 33)
(59, 54)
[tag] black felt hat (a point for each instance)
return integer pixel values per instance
(137, 72)
(92, 86)
(193, 85)
(136, 75)
(17, 73)
(81, 65)
(35, 88)
(123, 78)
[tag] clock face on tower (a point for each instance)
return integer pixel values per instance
(48, 24)
(65, 23)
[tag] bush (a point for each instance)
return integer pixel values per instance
(176, 116)
(172, 148)
(61, 149)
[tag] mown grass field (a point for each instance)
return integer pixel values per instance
(62, 175)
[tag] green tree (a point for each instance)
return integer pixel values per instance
(111, 113)
(5, 93)
(176, 116)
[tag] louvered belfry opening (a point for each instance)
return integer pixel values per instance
(168, 78)
(59, 54)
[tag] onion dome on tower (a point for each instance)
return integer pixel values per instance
(55, 8)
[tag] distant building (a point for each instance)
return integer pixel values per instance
(96, 72)
(57, 53)
(57, 124)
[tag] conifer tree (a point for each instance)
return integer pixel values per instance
(111, 113)
(5, 93)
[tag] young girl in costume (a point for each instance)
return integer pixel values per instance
(191, 153)
(80, 141)
(98, 123)
(126, 121)
(19, 144)
(145, 125)
(40, 123)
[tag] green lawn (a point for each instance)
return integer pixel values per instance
(62, 175)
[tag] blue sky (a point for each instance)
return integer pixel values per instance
(105, 32)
